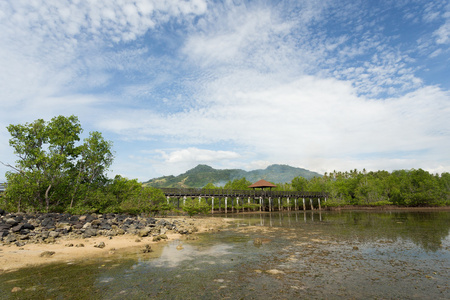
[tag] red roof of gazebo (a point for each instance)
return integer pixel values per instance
(262, 184)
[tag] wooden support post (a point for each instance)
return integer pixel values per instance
(168, 198)
(184, 201)
(237, 204)
(199, 199)
(226, 204)
(279, 203)
(270, 203)
(311, 203)
(260, 203)
(289, 207)
(212, 204)
(320, 208)
(248, 204)
(304, 205)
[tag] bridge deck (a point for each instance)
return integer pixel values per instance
(192, 192)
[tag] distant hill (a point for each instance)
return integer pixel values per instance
(201, 175)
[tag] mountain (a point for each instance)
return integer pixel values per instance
(201, 175)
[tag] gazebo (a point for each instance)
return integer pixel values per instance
(261, 184)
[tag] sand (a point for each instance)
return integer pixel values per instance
(13, 257)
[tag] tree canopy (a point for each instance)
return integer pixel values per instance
(54, 169)
(402, 187)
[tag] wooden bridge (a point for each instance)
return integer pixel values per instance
(223, 200)
(241, 200)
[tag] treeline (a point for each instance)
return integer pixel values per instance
(403, 187)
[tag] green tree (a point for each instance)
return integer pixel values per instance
(238, 184)
(51, 167)
(300, 184)
(209, 186)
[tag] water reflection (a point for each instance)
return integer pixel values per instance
(429, 230)
(176, 253)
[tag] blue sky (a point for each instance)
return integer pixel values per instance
(323, 85)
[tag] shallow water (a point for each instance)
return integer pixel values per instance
(312, 255)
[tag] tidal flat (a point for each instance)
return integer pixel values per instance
(286, 255)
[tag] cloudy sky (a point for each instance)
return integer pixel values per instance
(323, 85)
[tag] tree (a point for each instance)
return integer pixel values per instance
(51, 165)
(209, 186)
(238, 184)
(299, 184)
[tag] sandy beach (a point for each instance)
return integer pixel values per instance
(67, 250)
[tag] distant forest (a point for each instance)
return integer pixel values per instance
(403, 187)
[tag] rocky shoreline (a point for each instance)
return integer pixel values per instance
(46, 228)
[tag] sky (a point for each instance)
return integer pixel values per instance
(321, 85)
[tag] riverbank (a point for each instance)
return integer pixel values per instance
(86, 238)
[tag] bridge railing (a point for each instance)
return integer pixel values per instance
(197, 192)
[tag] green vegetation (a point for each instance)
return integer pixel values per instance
(403, 188)
(54, 173)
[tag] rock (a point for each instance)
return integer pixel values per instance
(10, 239)
(44, 234)
(16, 289)
(79, 245)
(105, 226)
(111, 233)
(48, 222)
(275, 272)
(28, 226)
(87, 225)
(20, 244)
(11, 221)
(2, 212)
(90, 232)
(355, 248)
(100, 245)
(47, 254)
(53, 234)
(144, 232)
(147, 249)
(4, 228)
(160, 237)
(95, 222)
(77, 226)
(50, 240)
(16, 228)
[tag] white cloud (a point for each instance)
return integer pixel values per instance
(443, 33)
(196, 155)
